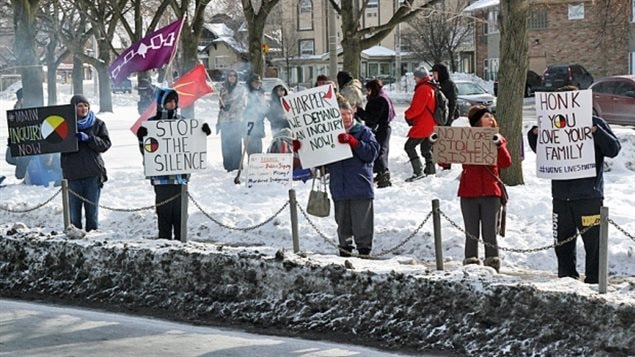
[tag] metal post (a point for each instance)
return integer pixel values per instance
(603, 271)
(66, 209)
(438, 244)
(332, 31)
(184, 200)
(293, 209)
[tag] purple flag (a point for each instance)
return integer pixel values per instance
(152, 51)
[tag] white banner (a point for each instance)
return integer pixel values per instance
(268, 169)
(565, 148)
(174, 147)
(316, 122)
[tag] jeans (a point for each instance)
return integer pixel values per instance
(89, 188)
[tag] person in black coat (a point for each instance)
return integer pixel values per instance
(377, 116)
(276, 116)
(448, 87)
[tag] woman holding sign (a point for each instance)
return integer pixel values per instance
(232, 101)
(481, 194)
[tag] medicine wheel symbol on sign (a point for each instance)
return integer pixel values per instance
(54, 129)
(151, 145)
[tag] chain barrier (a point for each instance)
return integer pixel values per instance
(33, 208)
(516, 250)
(242, 229)
(124, 209)
(376, 256)
(622, 230)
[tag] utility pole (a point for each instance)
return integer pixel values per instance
(332, 19)
(397, 52)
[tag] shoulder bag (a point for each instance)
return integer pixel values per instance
(319, 204)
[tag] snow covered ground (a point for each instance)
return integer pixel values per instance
(399, 211)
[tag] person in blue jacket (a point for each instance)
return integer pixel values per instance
(577, 202)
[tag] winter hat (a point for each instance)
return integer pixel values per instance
(421, 72)
(343, 77)
(343, 103)
(255, 78)
(79, 98)
(166, 94)
(476, 113)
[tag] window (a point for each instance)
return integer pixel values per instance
(490, 69)
(305, 15)
(492, 21)
(576, 11)
(538, 19)
(372, 4)
(307, 47)
(221, 62)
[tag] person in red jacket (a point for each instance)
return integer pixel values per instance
(480, 195)
(419, 117)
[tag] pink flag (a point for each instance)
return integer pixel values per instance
(152, 51)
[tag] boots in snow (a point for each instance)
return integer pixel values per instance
(417, 169)
(384, 180)
(430, 168)
(471, 260)
(493, 262)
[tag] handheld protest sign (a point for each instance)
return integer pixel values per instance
(316, 121)
(270, 169)
(42, 130)
(565, 148)
(174, 147)
(465, 145)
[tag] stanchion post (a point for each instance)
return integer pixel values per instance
(603, 271)
(293, 209)
(184, 199)
(65, 204)
(438, 244)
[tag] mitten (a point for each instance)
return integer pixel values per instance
(141, 132)
(206, 129)
(81, 136)
(498, 139)
(296, 145)
(345, 138)
(433, 137)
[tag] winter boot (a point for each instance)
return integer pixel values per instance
(417, 169)
(493, 262)
(345, 250)
(430, 168)
(364, 252)
(377, 176)
(471, 260)
(384, 180)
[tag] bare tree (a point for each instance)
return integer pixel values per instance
(511, 76)
(286, 36)
(24, 16)
(436, 35)
(356, 39)
(256, 13)
(55, 53)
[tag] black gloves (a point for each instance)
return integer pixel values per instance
(141, 132)
(206, 129)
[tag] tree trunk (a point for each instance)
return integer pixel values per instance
(77, 76)
(352, 55)
(105, 93)
(511, 82)
(24, 12)
(51, 67)
(256, 31)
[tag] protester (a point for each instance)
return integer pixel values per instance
(351, 185)
(276, 114)
(577, 203)
(442, 77)
(351, 89)
(419, 117)
(253, 127)
(321, 80)
(481, 193)
(232, 101)
(84, 169)
(168, 186)
(377, 116)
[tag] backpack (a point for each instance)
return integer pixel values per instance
(440, 113)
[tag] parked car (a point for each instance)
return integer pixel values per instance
(559, 75)
(124, 87)
(532, 83)
(614, 99)
(469, 94)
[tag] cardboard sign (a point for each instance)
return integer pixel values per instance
(176, 146)
(565, 148)
(42, 130)
(316, 122)
(465, 145)
(268, 169)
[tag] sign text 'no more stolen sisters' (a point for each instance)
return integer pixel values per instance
(316, 121)
(465, 145)
(565, 147)
(174, 147)
(42, 130)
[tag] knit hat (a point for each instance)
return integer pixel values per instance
(421, 72)
(164, 95)
(475, 115)
(79, 98)
(343, 103)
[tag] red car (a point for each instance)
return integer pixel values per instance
(614, 99)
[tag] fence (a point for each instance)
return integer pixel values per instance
(436, 213)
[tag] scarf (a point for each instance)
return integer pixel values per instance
(87, 121)
(391, 107)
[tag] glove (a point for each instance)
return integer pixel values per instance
(141, 132)
(206, 129)
(81, 136)
(433, 137)
(296, 145)
(346, 138)
(498, 139)
(410, 122)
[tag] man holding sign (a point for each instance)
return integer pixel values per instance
(169, 122)
(571, 147)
